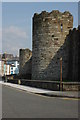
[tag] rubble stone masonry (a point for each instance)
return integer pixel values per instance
(74, 55)
(25, 62)
(53, 38)
(50, 43)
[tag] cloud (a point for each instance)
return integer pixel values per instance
(0, 34)
(15, 31)
(14, 38)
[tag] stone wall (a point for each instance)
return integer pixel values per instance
(50, 34)
(25, 67)
(74, 55)
(51, 85)
(53, 38)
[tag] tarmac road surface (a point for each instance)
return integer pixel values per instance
(21, 104)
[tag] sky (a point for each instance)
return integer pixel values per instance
(17, 22)
(40, 0)
(79, 13)
(0, 27)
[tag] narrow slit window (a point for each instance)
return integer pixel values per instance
(61, 27)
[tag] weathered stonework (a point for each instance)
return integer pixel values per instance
(74, 55)
(25, 63)
(50, 43)
(53, 38)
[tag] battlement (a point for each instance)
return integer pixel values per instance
(54, 16)
(54, 20)
(54, 13)
(27, 50)
(76, 30)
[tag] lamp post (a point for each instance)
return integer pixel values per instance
(61, 74)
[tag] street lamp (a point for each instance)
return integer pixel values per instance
(5, 73)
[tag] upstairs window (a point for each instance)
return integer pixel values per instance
(61, 27)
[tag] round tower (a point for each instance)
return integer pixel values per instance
(49, 34)
(24, 58)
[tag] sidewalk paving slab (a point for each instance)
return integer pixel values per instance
(50, 93)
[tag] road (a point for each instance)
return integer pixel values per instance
(20, 104)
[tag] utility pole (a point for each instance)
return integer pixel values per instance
(5, 67)
(61, 74)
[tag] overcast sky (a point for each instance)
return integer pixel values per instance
(17, 22)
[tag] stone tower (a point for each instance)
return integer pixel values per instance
(50, 32)
(25, 62)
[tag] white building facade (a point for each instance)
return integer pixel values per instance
(9, 67)
(14, 66)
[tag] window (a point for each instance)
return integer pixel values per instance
(55, 38)
(11, 72)
(11, 68)
(61, 27)
(52, 35)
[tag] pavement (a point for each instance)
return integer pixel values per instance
(20, 104)
(50, 93)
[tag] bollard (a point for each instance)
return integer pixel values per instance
(19, 82)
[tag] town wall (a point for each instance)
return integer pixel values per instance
(53, 38)
(74, 55)
(25, 65)
(50, 43)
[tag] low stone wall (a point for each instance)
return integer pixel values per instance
(71, 86)
(50, 85)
